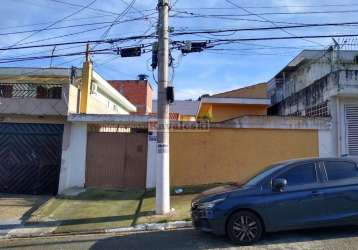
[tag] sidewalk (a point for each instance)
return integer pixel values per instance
(104, 211)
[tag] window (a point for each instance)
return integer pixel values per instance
(300, 175)
(338, 170)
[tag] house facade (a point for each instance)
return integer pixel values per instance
(40, 148)
(321, 84)
(251, 100)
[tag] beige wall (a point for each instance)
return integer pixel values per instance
(232, 155)
(99, 105)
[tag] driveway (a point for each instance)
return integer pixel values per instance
(17, 209)
(333, 238)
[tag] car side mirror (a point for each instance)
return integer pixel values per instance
(279, 185)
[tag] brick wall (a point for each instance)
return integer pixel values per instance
(138, 92)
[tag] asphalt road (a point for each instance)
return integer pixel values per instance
(336, 238)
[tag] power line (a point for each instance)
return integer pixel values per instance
(73, 26)
(263, 28)
(271, 13)
(91, 8)
(273, 7)
(266, 19)
(122, 14)
(110, 41)
(269, 38)
(52, 24)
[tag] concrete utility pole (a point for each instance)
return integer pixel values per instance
(162, 184)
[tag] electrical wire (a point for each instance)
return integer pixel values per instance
(52, 24)
(263, 28)
(266, 19)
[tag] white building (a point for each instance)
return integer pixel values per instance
(319, 83)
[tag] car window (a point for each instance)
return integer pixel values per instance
(339, 170)
(300, 175)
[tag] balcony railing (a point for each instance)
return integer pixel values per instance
(23, 90)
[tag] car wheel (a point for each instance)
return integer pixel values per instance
(244, 228)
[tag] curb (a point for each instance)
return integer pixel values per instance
(149, 227)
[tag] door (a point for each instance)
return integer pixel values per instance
(116, 160)
(300, 204)
(351, 123)
(341, 190)
(30, 158)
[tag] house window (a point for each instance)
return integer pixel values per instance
(22, 90)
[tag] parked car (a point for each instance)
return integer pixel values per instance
(295, 194)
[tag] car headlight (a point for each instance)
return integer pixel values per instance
(210, 204)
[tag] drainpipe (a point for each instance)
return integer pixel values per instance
(86, 82)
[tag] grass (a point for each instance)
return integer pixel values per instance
(180, 202)
(92, 210)
(97, 209)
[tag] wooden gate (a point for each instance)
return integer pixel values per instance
(30, 158)
(116, 160)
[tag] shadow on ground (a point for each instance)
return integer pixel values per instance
(191, 239)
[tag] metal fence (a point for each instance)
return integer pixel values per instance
(21, 90)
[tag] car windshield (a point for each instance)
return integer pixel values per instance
(254, 181)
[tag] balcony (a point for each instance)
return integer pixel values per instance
(33, 99)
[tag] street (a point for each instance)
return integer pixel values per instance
(332, 238)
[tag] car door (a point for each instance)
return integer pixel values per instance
(300, 204)
(341, 190)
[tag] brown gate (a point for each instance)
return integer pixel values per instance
(116, 160)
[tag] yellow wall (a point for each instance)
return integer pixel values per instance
(187, 118)
(222, 112)
(233, 155)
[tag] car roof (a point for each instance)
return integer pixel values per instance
(302, 160)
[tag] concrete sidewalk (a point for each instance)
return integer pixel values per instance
(15, 210)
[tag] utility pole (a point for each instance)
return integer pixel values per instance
(163, 177)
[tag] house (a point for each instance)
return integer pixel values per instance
(180, 110)
(251, 100)
(138, 92)
(40, 148)
(321, 83)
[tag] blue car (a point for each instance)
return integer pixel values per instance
(295, 194)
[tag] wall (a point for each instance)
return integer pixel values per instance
(223, 112)
(98, 104)
(138, 92)
(73, 163)
(233, 155)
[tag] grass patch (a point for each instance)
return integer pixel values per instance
(180, 202)
(93, 209)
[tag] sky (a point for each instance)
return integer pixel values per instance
(214, 70)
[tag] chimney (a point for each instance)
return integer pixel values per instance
(143, 77)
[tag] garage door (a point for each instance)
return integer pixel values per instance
(30, 158)
(351, 113)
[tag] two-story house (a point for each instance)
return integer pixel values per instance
(38, 146)
(321, 83)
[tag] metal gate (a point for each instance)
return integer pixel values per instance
(351, 113)
(116, 160)
(30, 158)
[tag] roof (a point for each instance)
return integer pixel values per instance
(307, 55)
(37, 72)
(181, 107)
(245, 101)
(256, 91)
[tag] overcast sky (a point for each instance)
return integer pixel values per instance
(225, 68)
